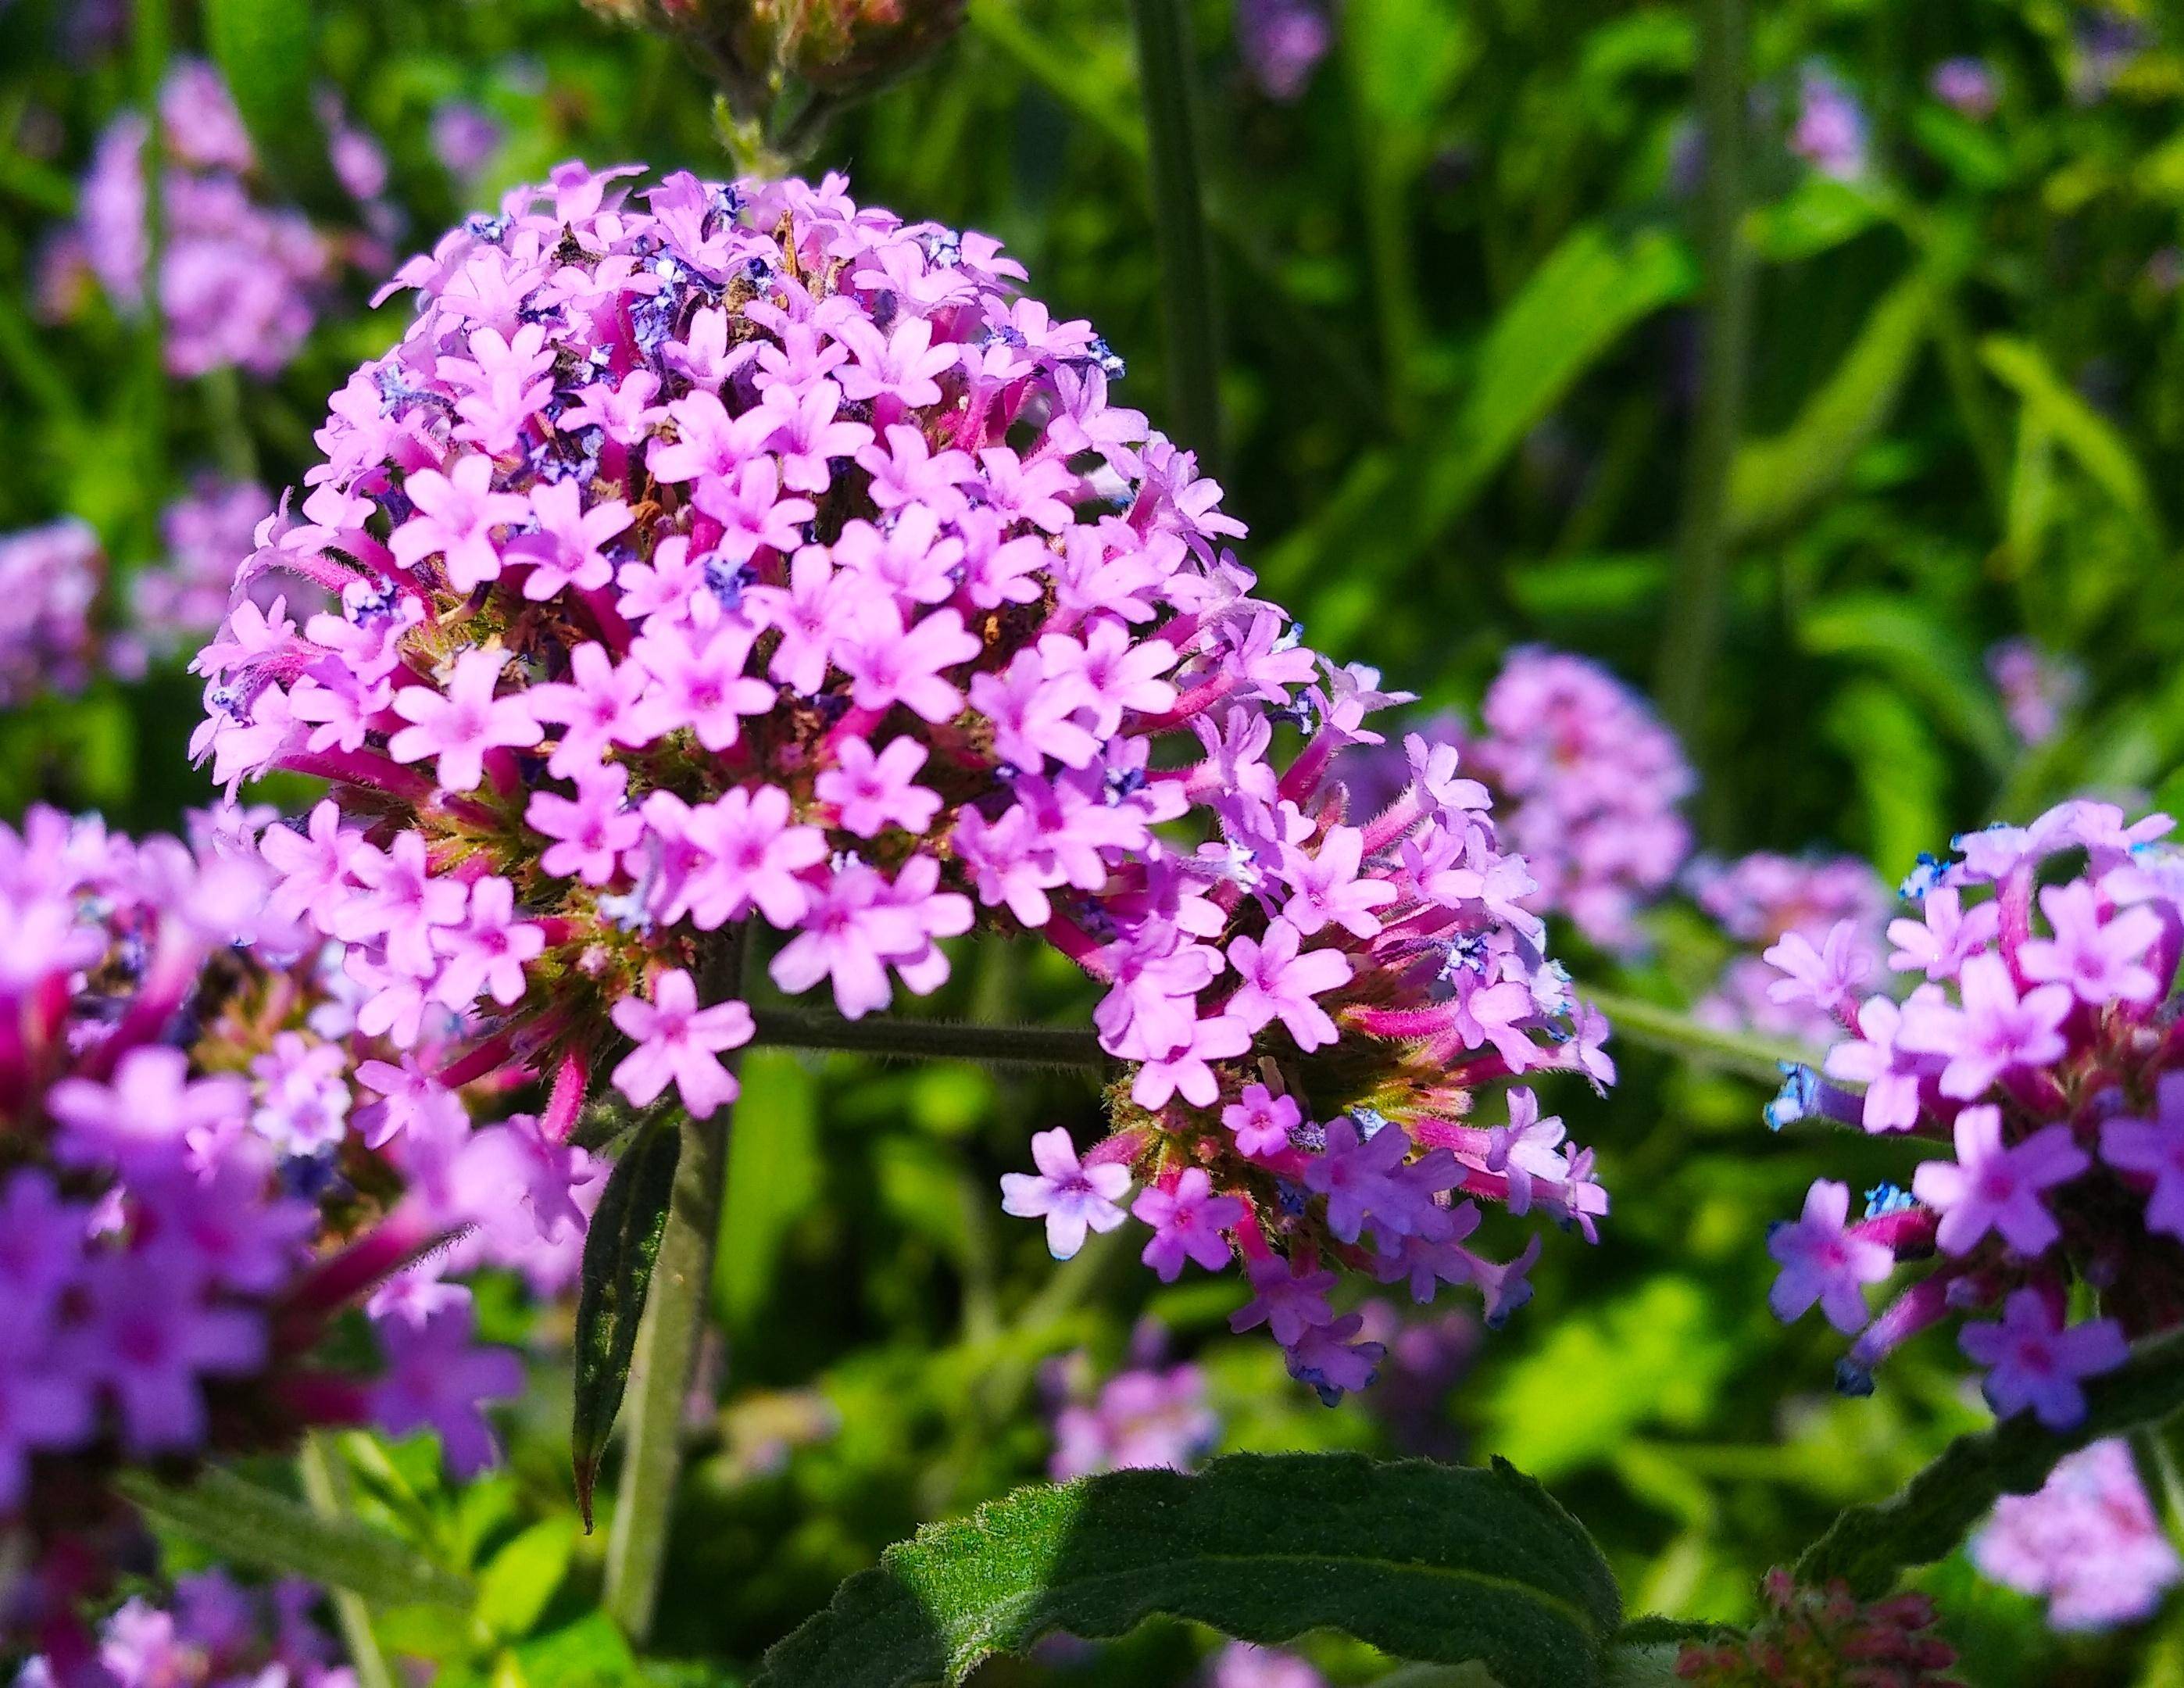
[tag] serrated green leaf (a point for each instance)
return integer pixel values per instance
(1437, 1563)
(249, 1524)
(267, 53)
(1869, 1546)
(619, 1251)
(515, 1587)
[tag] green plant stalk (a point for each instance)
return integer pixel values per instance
(1691, 639)
(327, 1487)
(1186, 264)
(930, 1040)
(667, 1342)
(1653, 1026)
(150, 27)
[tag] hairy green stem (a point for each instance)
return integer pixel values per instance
(667, 1342)
(931, 1039)
(1653, 1026)
(327, 1487)
(1166, 76)
(1692, 640)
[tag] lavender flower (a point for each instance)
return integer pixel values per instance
(1282, 42)
(50, 580)
(2037, 689)
(2035, 1057)
(1148, 1418)
(1768, 902)
(465, 137)
(2088, 1543)
(1830, 133)
(217, 1634)
(1968, 86)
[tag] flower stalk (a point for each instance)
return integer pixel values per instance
(1059, 1048)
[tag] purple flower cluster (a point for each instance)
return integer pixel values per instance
(1240, 1664)
(1590, 780)
(217, 1634)
(2037, 689)
(239, 281)
(1830, 907)
(172, 1107)
(2088, 1543)
(177, 602)
(1150, 1418)
(1830, 130)
(1968, 86)
(1282, 42)
(754, 558)
(2038, 1053)
(50, 580)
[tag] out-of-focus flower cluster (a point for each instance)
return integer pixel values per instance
(1282, 42)
(1148, 1417)
(2088, 1543)
(50, 580)
(217, 1634)
(189, 1198)
(2037, 689)
(180, 601)
(1240, 1664)
(1824, 1638)
(2038, 1052)
(755, 559)
(1585, 781)
(241, 280)
(1773, 904)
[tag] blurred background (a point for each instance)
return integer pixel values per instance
(1813, 370)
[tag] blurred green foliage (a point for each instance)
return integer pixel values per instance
(1460, 282)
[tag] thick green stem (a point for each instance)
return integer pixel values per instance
(667, 1343)
(1165, 72)
(1653, 1026)
(930, 1041)
(327, 1487)
(1692, 638)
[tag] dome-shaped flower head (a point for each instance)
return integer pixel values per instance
(2035, 1057)
(2088, 1542)
(186, 1200)
(734, 557)
(1827, 1638)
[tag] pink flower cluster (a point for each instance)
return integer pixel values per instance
(1827, 1638)
(2038, 1052)
(2088, 1543)
(170, 1119)
(1773, 903)
(50, 579)
(2037, 689)
(1150, 1418)
(239, 281)
(217, 1634)
(1590, 780)
(1240, 1664)
(756, 560)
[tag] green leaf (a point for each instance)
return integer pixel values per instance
(1437, 1563)
(1776, 479)
(1396, 505)
(2054, 411)
(1869, 1546)
(1924, 655)
(243, 1522)
(266, 52)
(514, 1589)
(588, 1653)
(620, 1252)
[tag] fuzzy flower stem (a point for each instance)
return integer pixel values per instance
(667, 1341)
(1649, 1024)
(931, 1039)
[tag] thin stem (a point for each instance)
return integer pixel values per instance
(231, 430)
(930, 1041)
(150, 31)
(1653, 1026)
(1692, 638)
(1165, 75)
(667, 1342)
(327, 1487)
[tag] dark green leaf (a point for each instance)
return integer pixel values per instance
(620, 1252)
(266, 52)
(1869, 1546)
(241, 1522)
(1432, 1562)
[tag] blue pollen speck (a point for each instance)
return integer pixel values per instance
(1924, 879)
(1371, 1121)
(1800, 1088)
(727, 580)
(1884, 1198)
